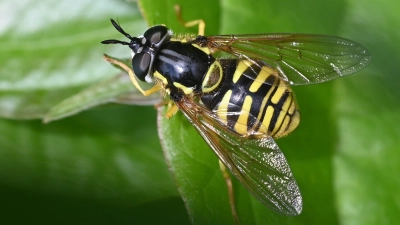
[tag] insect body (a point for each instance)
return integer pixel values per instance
(239, 104)
(244, 96)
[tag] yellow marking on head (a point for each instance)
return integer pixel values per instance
(241, 124)
(160, 77)
(213, 77)
(186, 90)
(265, 72)
(241, 67)
(223, 106)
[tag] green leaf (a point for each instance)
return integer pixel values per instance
(117, 89)
(50, 50)
(86, 166)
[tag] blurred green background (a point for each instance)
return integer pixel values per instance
(105, 165)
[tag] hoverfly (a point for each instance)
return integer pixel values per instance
(240, 103)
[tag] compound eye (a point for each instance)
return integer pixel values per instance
(155, 34)
(141, 64)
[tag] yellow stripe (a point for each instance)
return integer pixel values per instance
(241, 124)
(204, 49)
(289, 124)
(283, 131)
(209, 81)
(223, 107)
(265, 72)
(264, 129)
(241, 67)
(185, 89)
(159, 76)
(292, 108)
(294, 122)
(279, 121)
(278, 94)
(283, 112)
(287, 104)
(285, 122)
(290, 121)
(268, 117)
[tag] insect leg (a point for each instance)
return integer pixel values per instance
(229, 186)
(132, 76)
(172, 109)
(200, 22)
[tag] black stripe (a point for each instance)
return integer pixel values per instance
(262, 92)
(239, 92)
(277, 110)
(287, 113)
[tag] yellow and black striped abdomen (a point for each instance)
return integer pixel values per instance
(253, 99)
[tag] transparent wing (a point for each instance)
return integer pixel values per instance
(300, 58)
(258, 163)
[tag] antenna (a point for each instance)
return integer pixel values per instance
(113, 41)
(115, 24)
